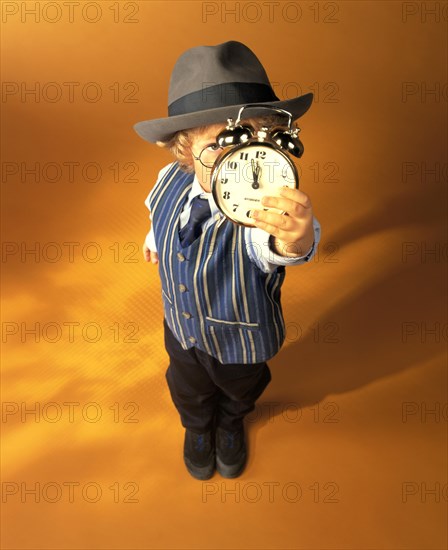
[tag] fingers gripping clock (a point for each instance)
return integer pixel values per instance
(253, 165)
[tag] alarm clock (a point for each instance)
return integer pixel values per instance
(252, 165)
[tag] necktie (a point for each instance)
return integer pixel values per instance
(200, 211)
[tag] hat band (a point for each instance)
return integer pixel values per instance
(222, 95)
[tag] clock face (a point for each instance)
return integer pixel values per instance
(242, 175)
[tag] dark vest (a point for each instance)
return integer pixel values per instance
(215, 298)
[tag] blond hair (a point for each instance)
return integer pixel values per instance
(180, 144)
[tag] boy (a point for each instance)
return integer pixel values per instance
(220, 281)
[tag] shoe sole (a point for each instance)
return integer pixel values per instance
(202, 473)
(229, 472)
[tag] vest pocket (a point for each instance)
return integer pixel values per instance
(234, 341)
(229, 326)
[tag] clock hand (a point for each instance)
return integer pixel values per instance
(255, 173)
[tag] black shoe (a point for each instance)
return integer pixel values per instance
(199, 454)
(231, 452)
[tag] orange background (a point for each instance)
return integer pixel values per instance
(344, 449)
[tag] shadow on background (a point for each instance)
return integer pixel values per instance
(381, 331)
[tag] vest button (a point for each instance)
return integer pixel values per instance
(180, 257)
(186, 314)
(192, 339)
(182, 288)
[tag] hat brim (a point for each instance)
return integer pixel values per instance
(163, 129)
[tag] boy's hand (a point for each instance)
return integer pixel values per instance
(294, 230)
(149, 255)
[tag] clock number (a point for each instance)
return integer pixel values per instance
(235, 206)
(232, 165)
(260, 154)
(224, 181)
(244, 156)
(226, 195)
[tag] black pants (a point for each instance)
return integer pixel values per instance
(205, 391)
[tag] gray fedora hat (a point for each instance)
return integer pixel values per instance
(209, 84)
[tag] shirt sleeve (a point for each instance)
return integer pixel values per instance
(150, 240)
(260, 251)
